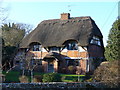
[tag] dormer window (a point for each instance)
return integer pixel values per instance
(95, 40)
(37, 47)
(72, 46)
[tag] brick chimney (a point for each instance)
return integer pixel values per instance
(65, 16)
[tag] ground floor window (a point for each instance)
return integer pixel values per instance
(72, 62)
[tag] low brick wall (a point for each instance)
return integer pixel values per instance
(51, 85)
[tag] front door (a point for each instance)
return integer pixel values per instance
(50, 67)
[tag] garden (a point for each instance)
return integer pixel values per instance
(16, 77)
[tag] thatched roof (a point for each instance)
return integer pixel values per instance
(56, 32)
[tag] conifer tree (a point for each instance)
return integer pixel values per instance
(112, 51)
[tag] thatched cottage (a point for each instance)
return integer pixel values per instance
(68, 44)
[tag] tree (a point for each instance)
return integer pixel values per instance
(12, 35)
(3, 12)
(26, 27)
(112, 49)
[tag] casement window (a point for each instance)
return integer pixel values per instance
(54, 49)
(95, 40)
(37, 47)
(72, 62)
(72, 46)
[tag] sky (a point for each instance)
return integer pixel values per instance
(103, 12)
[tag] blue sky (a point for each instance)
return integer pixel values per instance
(33, 12)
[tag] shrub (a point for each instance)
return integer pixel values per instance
(23, 79)
(51, 77)
(63, 78)
(108, 73)
(89, 80)
(37, 78)
(71, 69)
(75, 79)
(62, 70)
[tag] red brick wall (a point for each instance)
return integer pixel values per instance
(55, 65)
(72, 53)
(83, 65)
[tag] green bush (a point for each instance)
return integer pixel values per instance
(51, 77)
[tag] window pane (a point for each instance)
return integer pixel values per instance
(95, 41)
(99, 43)
(72, 46)
(37, 48)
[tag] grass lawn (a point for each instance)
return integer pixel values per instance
(72, 77)
(13, 76)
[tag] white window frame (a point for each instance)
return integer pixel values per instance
(37, 47)
(70, 46)
(95, 40)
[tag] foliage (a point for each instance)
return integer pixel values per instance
(51, 77)
(23, 79)
(37, 78)
(71, 69)
(107, 72)
(89, 80)
(8, 55)
(112, 49)
(64, 77)
(12, 34)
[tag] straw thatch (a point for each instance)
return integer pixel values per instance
(56, 32)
